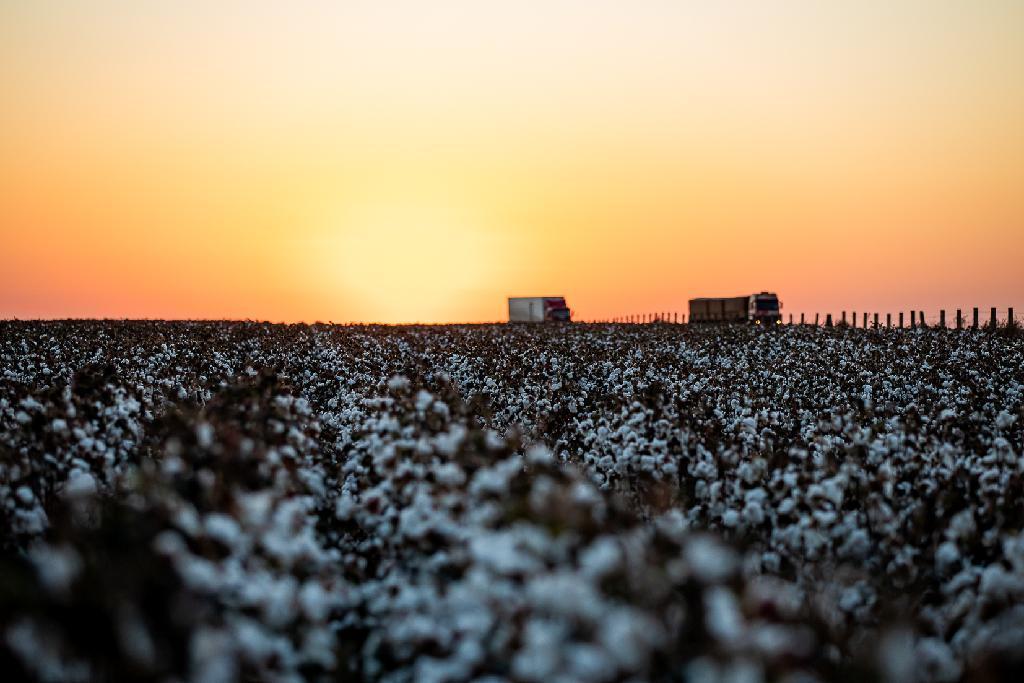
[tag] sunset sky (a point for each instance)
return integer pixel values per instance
(421, 161)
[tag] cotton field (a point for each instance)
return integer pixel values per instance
(238, 501)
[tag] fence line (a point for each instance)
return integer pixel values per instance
(961, 319)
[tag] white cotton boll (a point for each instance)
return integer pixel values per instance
(398, 382)
(753, 513)
(856, 545)
(1013, 550)
(585, 662)
(539, 454)
(730, 519)
(600, 558)
(564, 595)
(449, 474)
(279, 601)
(962, 526)
(423, 400)
(500, 552)
(493, 441)
(722, 614)
(447, 443)
(204, 434)
(771, 562)
(850, 599)
(947, 556)
(628, 636)
(776, 640)
(999, 584)
(41, 651)
(24, 495)
(314, 600)
(814, 542)
(318, 647)
(538, 660)
(223, 528)
(748, 425)
(673, 524)
(80, 484)
(57, 566)
(254, 507)
(199, 573)
(755, 495)
(710, 560)
(1004, 420)
(495, 479)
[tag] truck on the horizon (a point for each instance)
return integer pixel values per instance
(538, 309)
(762, 308)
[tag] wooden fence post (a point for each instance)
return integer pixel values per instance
(994, 321)
(876, 321)
(942, 318)
(959, 319)
(901, 320)
(801, 318)
(816, 318)
(855, 319)
(888, 319)
(791, 318)
(1009, 318)
(828, 320)
(975, 318)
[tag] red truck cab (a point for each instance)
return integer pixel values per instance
(765, 309)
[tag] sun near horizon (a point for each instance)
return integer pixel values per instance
(402, 161)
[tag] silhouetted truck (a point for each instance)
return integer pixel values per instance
(537, 309)
(760, 309)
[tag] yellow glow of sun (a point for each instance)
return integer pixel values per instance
(402, 262)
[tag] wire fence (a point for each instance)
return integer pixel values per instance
(955, 318)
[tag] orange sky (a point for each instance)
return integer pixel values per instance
(403, 161)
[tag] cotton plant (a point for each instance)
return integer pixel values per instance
(314, 502)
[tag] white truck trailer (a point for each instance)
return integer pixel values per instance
(538, 309)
